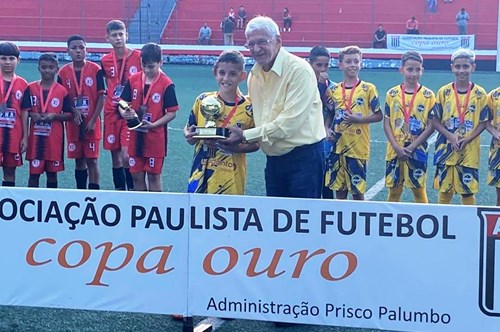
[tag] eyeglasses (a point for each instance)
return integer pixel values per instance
(260, 43)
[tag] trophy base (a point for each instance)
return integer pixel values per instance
(134, 124)
(211, 133)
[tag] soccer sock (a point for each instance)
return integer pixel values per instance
(130, 181)
(81, 176)
(51, 184)
(395, 194)
(468, 199)
(444, 198)
(94, 186)
(119, 178)
(420, 195)
(8, 183)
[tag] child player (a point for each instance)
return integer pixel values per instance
(219, 168)
(460, 115)
(152, 96)
(493, 127)
(48, 105)
(13, 122)
(319, 58)
(407, 127)
(117, 67)
(356, 106)
(84, 82)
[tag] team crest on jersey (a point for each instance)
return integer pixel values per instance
(132, 70)
(131, 162)
(393, 92)
(89, 81)
(71, 147)
(420, 108)
(55, 102)
(156, 98)
(427, 93)
(19, 95)
(467, 178)
(35, 163)
(111, 139)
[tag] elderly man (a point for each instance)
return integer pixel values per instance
(287, 112)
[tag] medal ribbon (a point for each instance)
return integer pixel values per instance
(145, 99)
(407, 111)
(79, 86)
(45, 104)
(5, 97)
(122, 69)
(348, 102)
(231, 113)
(462, 112)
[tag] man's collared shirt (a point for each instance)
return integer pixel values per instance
(286, 104)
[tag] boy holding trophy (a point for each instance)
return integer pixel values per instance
(219, 168)
(153, 104)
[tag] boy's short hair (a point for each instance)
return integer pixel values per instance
(9, 48)
(75, 37)
(352, 49)
(151, 52)
(411, 55)
(115, 25)
(463, 53)
(318, 51)
(50, 57)
(231, 56)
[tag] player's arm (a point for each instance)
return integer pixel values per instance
(375, 116)
(25, 108)
(65, 115)
(190, 127)
(170, 105)
(390, 135)
(424, 135)
(484, 119)
(240, 148)
(99, 104)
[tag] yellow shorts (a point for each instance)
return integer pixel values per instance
(456, 179)
(412, 173)
(347, 174)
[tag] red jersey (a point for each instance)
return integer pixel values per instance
(11, 126)
(158, 99)
(46, 139)
(116, 73)
(84, 88)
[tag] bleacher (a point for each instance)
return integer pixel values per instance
(335, 23)
(55, 20)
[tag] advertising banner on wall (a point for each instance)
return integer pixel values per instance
(448, 43)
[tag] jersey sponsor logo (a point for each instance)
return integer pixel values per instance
(35, 163)
(71, 147)
(111, 138)
(131, 162)
(19, 94)
(156, 98)
(420, 108)
(472, 108)
(89, 81)
(55, 102)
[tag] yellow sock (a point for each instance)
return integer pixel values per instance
(395, 194)
(444, 198)
(420, 195)
(468, 199)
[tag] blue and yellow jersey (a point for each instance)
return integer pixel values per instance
(446, 111)
(353, 140)
(423, 104)
(494, 105)
(219, 172)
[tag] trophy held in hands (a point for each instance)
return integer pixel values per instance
(133, 120)
(211, 108)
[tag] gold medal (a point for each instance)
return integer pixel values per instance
(462, 130)
(406, 128)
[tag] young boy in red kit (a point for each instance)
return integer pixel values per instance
(13, 122)
(152, 99)
(49, 106)
(117, 67)
(84, 82)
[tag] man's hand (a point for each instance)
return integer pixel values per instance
(235, 136)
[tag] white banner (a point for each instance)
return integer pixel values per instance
(373, 265)
(430, 42)
(93, 250)
(405, 267)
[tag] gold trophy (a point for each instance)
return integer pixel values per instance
(132, 123)
(211, 109)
